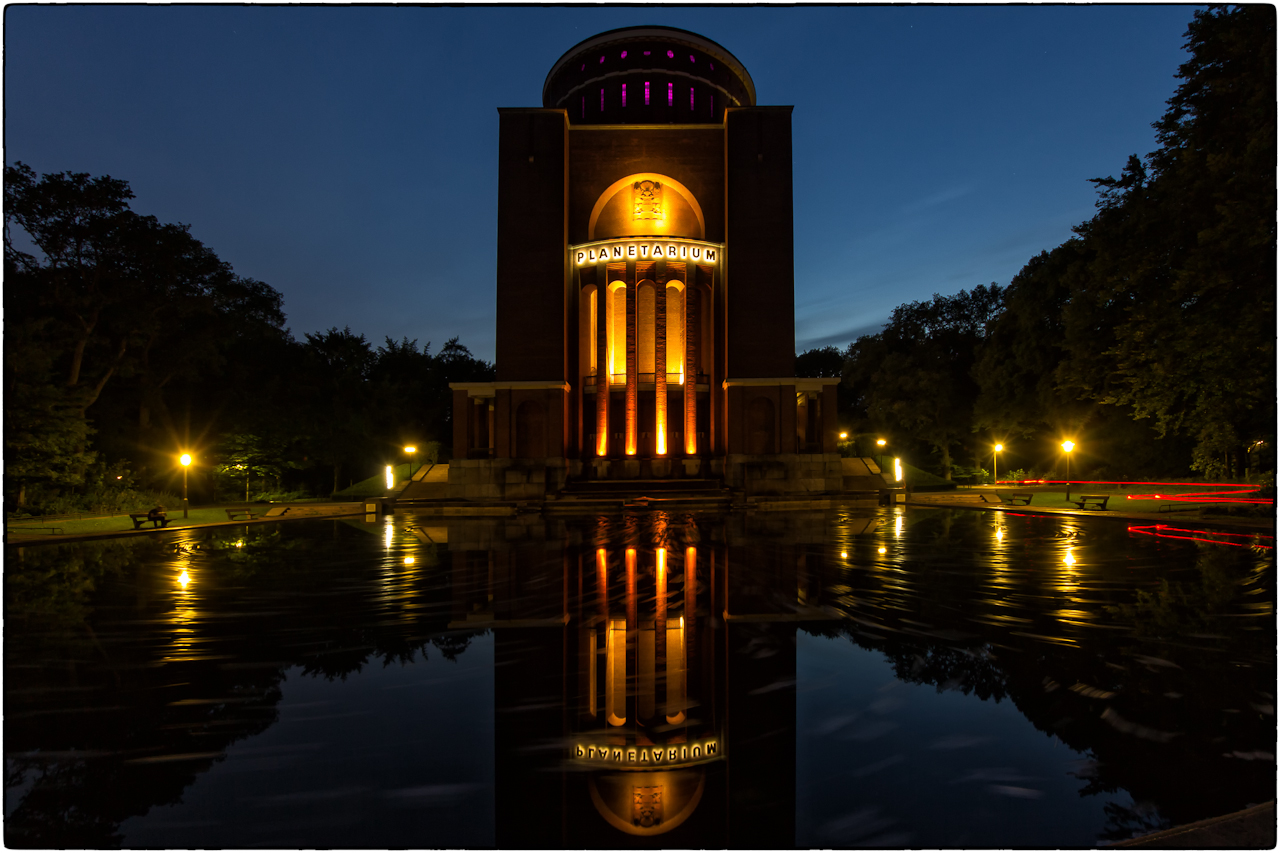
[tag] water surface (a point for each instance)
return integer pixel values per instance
(876, 678)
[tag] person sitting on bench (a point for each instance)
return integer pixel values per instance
(156, 516)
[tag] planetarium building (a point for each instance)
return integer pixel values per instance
(645, 285)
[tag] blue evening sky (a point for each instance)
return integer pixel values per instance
(346, 155)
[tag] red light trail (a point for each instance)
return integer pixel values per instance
(1164, 531)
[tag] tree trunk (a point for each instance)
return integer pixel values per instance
(337, 474)
(946, 461)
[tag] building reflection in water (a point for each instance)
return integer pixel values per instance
(644, 676)
(637, 691)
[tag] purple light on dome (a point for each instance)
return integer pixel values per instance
(691, 59)
(711, 105)
(601, 99)
(601, 60)
(646, 93)
(671, 94)
(671, 54)
(713, 65)
(584, 106)
(624, 54)
(690, 97)
(646, 53)
(584, 67)
(624, 94)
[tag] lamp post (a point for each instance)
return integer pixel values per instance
(995, 466)
(185, 459)
(410, 449)
(1068, 446)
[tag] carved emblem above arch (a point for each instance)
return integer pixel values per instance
(645, 204)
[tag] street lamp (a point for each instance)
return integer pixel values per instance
(1067, 447)
(411, 450)
(843, 436)
(995, 472)
(185, 459)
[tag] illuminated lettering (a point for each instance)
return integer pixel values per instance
(621, 251)
(675, 755)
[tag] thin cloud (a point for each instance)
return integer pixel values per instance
(938, 198)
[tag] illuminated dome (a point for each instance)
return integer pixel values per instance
(647, 75)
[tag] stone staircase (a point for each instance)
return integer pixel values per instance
(614, 495)
(430, 483)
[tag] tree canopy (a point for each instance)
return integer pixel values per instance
(128, 339)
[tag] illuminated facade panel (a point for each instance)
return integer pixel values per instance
(645, 297)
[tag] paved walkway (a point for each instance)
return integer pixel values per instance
(291, 512)
(953, 500)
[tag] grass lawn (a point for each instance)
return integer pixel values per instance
(113, 524)
(377, 484)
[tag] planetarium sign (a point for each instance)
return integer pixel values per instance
(645, 248)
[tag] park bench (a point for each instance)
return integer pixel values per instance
(241, 514)
(141, 518)
(1092, 501)
(1018, 498)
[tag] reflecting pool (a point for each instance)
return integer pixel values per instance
(854, 678)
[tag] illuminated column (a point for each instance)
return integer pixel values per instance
(673, 651)
(587, 671)
(660, 367)
(692, 335)
(660, 614)
(615, 674)
(690, 609)
(602, 366)
(646, 652)
(633, 372)
(632, 617)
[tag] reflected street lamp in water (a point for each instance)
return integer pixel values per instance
(185, 459)
(1067, 447)
(995, 467)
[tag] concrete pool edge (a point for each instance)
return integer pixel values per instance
(503, 509)
(1253, 828)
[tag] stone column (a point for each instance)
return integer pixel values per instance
(602, 366)
(692, 329)
(660, 366)
(632, 438)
